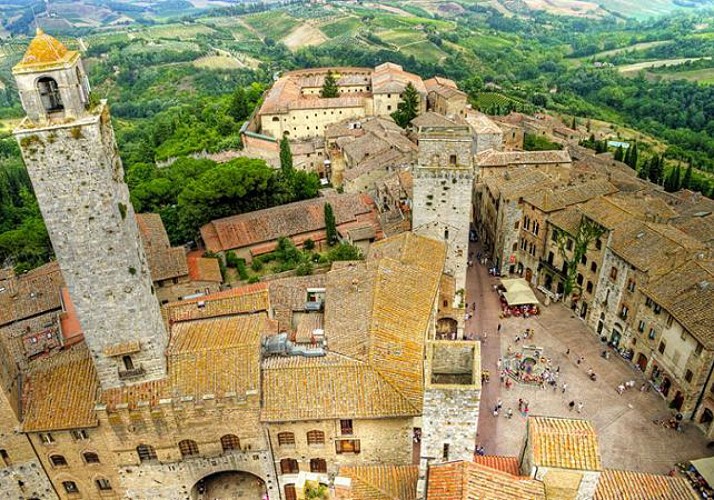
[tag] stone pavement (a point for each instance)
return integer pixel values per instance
(628, 437)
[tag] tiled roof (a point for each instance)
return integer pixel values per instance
(292, 219)
(605, 212)
(32, 293)
(290, 294)
(482, 124)
(564, 443)
(241, 300)
(432, 119)
(504, 464)
(516, 184)
(391, 78)
(307, 325)
(44, 51)
(333, 386)
(491, 158)
(568, 220)
(60, 392)
(382, 482)
(164, 261)
(630, 485)
(204, 269)
(438, 81)
(473, 481)
(687, 293)
(700, 227)
(559, 197)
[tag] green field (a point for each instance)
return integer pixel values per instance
(705, 76)
(425, 51)
(641, 9)
(275, 25)
(341, 27)
(402, 37)
(176, 31)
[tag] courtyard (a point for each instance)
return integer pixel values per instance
(628, 437)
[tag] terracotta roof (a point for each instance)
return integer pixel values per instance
(69, 321)
(700, 227)
(290, 294)
(307, 325)
(512, 185)
(630, 485)
(564, 443)
(382, 482)
(44, 51)
(164, 261)
(482, 124)
(204, 269)
(687, 293)
(504, 464)
(432, 119)
(241, 300)
(559, 197)
(491, 158)
(31, 293)
(473, 481)
(391, 78)
(60, 392)
(293, 219)
(438, 81)
(568, 220)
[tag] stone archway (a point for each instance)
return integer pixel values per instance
(446, 329)
(229, 485)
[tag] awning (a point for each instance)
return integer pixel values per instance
(705, 468)
(518, 292)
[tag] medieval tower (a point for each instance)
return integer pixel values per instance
(443, 187)
(68, 145)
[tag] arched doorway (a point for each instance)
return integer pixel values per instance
(615, 337)
(707, 417)
(642, 362)
(529, 274)
(229, 485)
(677, 402)
(446, 329)
(666, 384)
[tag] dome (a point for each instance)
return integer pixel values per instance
(44, 49)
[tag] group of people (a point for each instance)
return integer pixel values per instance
(523, 408)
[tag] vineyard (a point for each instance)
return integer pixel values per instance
(495, 103)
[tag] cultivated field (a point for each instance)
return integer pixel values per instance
(218, 62)
(632, 69)
(705, 76)
(303, 36)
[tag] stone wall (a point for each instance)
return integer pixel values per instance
(79, 182)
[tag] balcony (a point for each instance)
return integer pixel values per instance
(551, 267)
(134, 372)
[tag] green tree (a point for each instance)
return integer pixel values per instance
(329, 87)
(239, 108)
(286, 158)
(408, 107)
(644, 170)
(587, 232)
(619, 154)
(330, 225)
(344, 251)
(656, 169)
(687, 180)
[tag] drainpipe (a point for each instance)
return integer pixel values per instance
(701, 394)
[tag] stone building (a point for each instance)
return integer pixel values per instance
(444, 97)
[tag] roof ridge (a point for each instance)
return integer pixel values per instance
(372, 485)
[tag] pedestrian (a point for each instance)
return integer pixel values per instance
(520, 404)
(485, 337)
(499, 404)
(518, 338)
(508, 384)
(565, 386)
(509, 414)
(580, 407)
(495, 411)
(580, 360)
(567, 353)
(557, 370)
(620, 389)
(571, 405)
(643, 387)
(498, 363)
(499, 328)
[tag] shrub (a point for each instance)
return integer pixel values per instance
(309, 244)
(257, 265)
(253, 279)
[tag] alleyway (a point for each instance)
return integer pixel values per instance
(628, 438)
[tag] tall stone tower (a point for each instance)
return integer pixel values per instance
(443, 187)
(68, 145)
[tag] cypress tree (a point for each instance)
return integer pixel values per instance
(238, 107)
(687, 181)
(408, 107)
(619, 153)
(633, 157)
(329, 87)
(286, 158)
(330, 225)
(644, 172)
(627, 155)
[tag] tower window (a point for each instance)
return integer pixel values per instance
(90, 457)
(446, 234)
(230, 442)
(445, 452)
(70, 486)
(452, 159)
(128, 363)
(103, 484)
(188, 448)
(49, 94)
(5, 458)
(146, 452)
(58, 461)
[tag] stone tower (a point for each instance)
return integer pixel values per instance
(443, 187)
(68, 145)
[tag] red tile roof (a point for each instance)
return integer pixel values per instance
(472, 481)
(504, 464)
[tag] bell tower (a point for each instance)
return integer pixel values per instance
(68, 145)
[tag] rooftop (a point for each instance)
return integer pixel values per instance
(471, 481)
(626, 485)
(31, 293)
(164, 261)
(382, 482)
(563, 443)
(492, 158)
(44, 52)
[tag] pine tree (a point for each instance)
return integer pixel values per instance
(238, 107)
(644, 171)
(408, 107)
(656, 170)
(619, 153)
(329, 87)
(574, 125)
(687, 180)
(330, 225)
(634, 157)
(627, 155)
(286, 158)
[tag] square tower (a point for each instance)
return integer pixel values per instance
(443, 188)
(73, 162)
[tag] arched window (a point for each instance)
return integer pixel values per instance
(289, 466)
(70, 486)
(318, 465)
(188, 448)
(58, 461)
(315, 437)
(90, 457)
(103, 484)
(286, 439)
(146, 452)
(49, 94)
(230, 442)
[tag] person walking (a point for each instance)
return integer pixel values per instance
(509, 414)
(498, 329)
(571, 405)
(499, 404)
(565, 386)
(498, 363)
(580, 407)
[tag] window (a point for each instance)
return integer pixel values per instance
(70, 486)
(583, 260)
(631, 285)
(515, 225)
(346, 427)
(569, 244)
(579, 279)
(286, 439)
(128, 363)
(649, 302)
(662, 347)
(613, 273)
(698, 349)
(624, 311)
(188, 448)
(554, 235)
(49, 94)
(445, 451)
(452, 159)
(446, 234)
(536, 228)
(593, 267)
(652, 334)
(514, 247)
(79, 434)
(230, 442)
(641, 326)
(146, 452)
(47, 438)
(550, 258)
(5, 458)
(289, 466)
(657, 309)
(347, 446)
(598, 244)
(58, 461)
(318, 465)
(589, 287)
(315, 437)
(90, 457)
(103, 484)
(290, 493)
(670, 320)
(688, 375)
